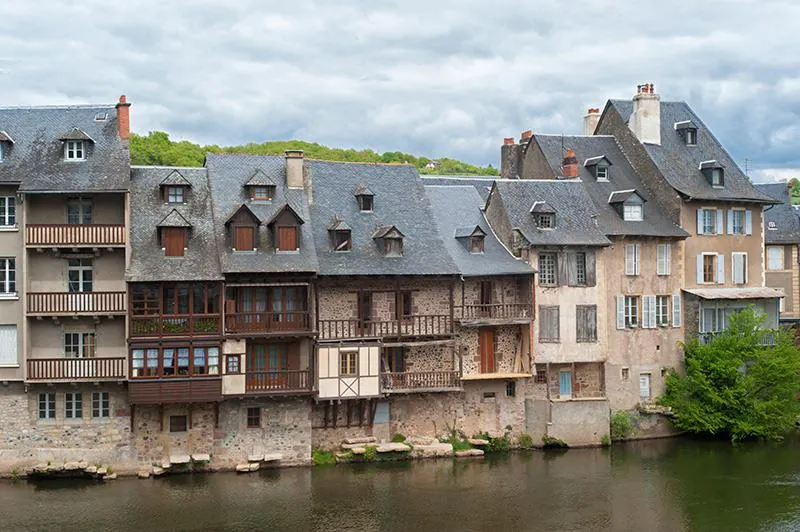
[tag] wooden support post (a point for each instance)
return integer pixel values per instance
(349, 408)
(133, 416)
(335, 413)
(327, 413)
(161, 416)
(373, 408)
(572, 377)
(361, 413)
(452, 302)
(216, 415)
(189, 412)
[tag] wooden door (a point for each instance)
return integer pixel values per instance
(364, 311)
(244, 238)
(486, 346)
(644, 386)
(174, 241)
(287, 238)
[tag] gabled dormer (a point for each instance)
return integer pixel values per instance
(389, 240)
(472, 238)
(365, 198)
(285, 228)
(628, 204)
(175, 188)
(714, 173)
(242, 229)
(5, 145)
(688, 132)
(260, 187)
(544, 216)
(599, 166)
(340, 235)
(76, 144)
(173, 234)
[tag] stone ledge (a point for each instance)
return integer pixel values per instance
(466, 453)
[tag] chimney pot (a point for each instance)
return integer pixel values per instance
(508, 140)
(591, 120)
(527, 134)
(569, 167)
(123, 117)
(645, 120)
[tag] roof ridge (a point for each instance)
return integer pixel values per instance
(64, 107)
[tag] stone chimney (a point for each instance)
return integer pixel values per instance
(510, 159)
(294, 168)
(124, 117)
(590, 120)
(645, 121)
(525, 136)
(569, 167)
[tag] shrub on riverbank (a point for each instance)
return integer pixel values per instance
(743, 384)
(525, 441)
(622, 426)
(322, 457)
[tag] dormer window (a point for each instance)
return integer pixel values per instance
(365, 198)
(260, 187)
(688, 131)
(628, 204)
(717, 179)
(690, 137)
(714, 173)
(602, 173)
(472, 237)
(599, 166)
(175, 194)
(175, 188)
(287, 238)
(476, 244)
(243, 229)
(545, 220)
(390, 239)
(244, 238)
(342, 240)
(393, 247)
(173, 231)
(285, 226)
(632, 212)
(75, 150)
(262, 193)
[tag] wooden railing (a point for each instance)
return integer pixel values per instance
(69, 369)
(420, 380)
(417, 325)
(175, 324)
(497, 311)
(278, 381)
(256, 322)
(50, 303)
(69, 235)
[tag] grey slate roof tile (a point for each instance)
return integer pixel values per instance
(174, 219)
(782, 222)
(260, 179)
(483, 184)
(175, 178)
(35, 159)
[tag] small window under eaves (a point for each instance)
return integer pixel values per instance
(601, 173)
(342, 240)
(545, 220)
(476, 244)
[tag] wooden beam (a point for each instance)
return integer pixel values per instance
(572, 377)
(161, 415)
(133, 416)
(335, 413)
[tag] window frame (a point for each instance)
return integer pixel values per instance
(46, 406)
(252, 238)
(632, 259)
(629, 210)
(690, 136)
(73, 405)
(366, 203)
(631, 305)
(84, 270)
(393, 247)
(770, 259)
(178, 423)
(348, 363)
(601, 172)
(82, 344)
(581, 274)
(745, 273)
(476, 243)
(342, 240)
(710, 258)
(664, 257)
(101, 405)
(663, 318)
(714, 218)
(551, 270)
(80, 211)
(280, 244)
(591, 337)
(269, 192)
(545, 220)
(74, 150)
(169, 233)
(8, 211)
(175, 194)
(717, 177)
(8, 276)
(742, 214)
(253, 417)
(542, 334)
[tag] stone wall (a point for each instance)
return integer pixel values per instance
(508, 346)
(587, 380)
(578, 423)
(430, 358)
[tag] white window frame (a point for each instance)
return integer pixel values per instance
(82, 267)
(101, 405)
(662, 310)
(8, 217)
(711, 229)
(716, 270)
(176, 194)
(75, 150)
(632, 259)
(632, 312)
(1, 152)
(691, 136)
(771, 257)
(8, 277)
(663, 259)
(602, 173)
(73, 405)
(732, 221)
(80, 344)
(632, 212)
(735, 277)
(348, 360)
(717, 178)
(46, 405)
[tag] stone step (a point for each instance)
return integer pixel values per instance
(180, 459)
(351, 446)
(363, 439)
(201, 457)
(273, 457)
(393, 448)
(466, 453)
(478, 442)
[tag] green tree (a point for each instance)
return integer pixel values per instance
(794, 190)
(736, 386)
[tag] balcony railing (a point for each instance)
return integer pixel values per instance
(418, 325)
(420, 381)
(175, 324)
(75, 369)
(90, 303)
(69, 235)
(498, 311)
(267, 322)
(765, 338)
(278, 381)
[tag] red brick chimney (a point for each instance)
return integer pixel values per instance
(124, 117)
(508, 140)
(525, 136)
(569, 167)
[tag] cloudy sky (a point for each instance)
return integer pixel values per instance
(433, 77)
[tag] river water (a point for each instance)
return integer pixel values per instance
(668, 485)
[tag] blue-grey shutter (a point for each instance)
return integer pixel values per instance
(620, 312)
(720, 268)
(637, 258)
(720, 229)
(700, 268)
(676, 310)
(699, 221)
(748, 222)
(730, 221)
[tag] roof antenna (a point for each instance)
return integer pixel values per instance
(562, 144)
(746, 174)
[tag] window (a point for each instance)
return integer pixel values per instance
(74, 150)
(254, 417)
(541, 374)
(175, 194)
(342, 240)
(632, 259)
(287, 238)
(736, 221)
(709, 221)
(47, 405)
(565, 383)
(690, 135)
(739, 267)
(73, 405)
(632, 212)
(175, 362)
(233, 364)
(79, 211)
(511, 389)
(8, 276)
(206, 361)
(709, 268)
(631, 311)
(393, 247)
(625, 373)
(644, 386)
(79, 275)
(100, 404)
(486, 293)
(545, 220)
(348, 363)
(1, 152)
(8, 211)
(476, 244)
(395, 359)
(244, 238)
(405, 301)
(178, 423)
(717, 177)
(79, 345)
(775, 259)
(547, 269)
(365, 203)
(549, 326)
(662, 311)
(262, 193)
(8, 345)
(586, 323)
(663, 252)
(173, 241)
(580, 268)
(602, 173)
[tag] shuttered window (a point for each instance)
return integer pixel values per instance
(710, 268)
(632, 252)
(287, 238)
(740, 222)
(663, 259)
(174, 241)
(586, 323)
(676, 310)
(648, 312)
(627, 311)
(8, 345)
(547, 269)
(709, 221)
(775, 258)
(739, 267)
(549, 324)
(662, 311)
(244, 238)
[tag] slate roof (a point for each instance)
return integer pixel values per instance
(575, 212)
(175, 178)
(148, 262)
(482, 183)
(454, 206)
(785, 218)
(260, 179)
(621, 177)
(174, 219)
(35, 159)
(679, 163)
(400, 201)
(228, 175)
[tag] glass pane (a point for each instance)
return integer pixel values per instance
(169, 362)
(183, 361)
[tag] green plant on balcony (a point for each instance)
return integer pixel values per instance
(149, 326)
(206, 325)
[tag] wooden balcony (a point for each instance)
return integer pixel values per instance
(278, 382)
(267, 323)
(76, 369)
(172, 390)
(74, 236)
(496, 314)
(421, 381)
(175, 325)
(410, 326)
(75, 303)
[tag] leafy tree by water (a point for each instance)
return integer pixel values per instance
(794, 190)
(156, 148)
(737, 387)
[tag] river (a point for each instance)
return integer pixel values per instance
(668, 485)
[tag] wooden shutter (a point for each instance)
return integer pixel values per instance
(699, 221)
(244, 238)
(663, 252)
(720, 268)
(700, 268)
(676, 310)
(591, 276)
(730, 221)
(486, 345)
(629, 259)
(561, 268)
(572, 269)
(787, 257)
(174, 240)
(649, 312)
(620, 312)
(748, 222)
(739, 274)
(720, 222)
(287, 238)
(636, 258)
